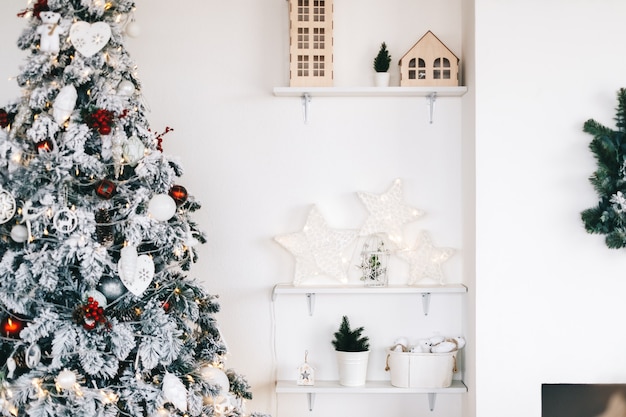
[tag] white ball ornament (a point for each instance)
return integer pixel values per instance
(19, 233)
(133, 29)
(125, 88)
(215, 376)
(162, 207)
(66, 379)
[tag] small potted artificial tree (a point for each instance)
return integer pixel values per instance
(352, 350)
(381, 66)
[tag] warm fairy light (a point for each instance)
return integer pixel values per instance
(177, 290)
(41, 393)
(16, 158)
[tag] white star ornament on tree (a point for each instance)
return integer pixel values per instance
(388, 213)
(318, 249)
(425, 261)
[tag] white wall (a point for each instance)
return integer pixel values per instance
(549, 296)
(208, 70)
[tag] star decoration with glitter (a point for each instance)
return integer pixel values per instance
(425, 260)
(388, 213)
(318, 249)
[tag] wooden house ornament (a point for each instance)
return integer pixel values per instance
(306, 373)
(429, 63)
(311, 43)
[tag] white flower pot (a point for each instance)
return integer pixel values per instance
(352, 368)
(381, 79)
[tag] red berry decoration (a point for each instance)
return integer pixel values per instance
(102, 120)
(90, 314)
(45, 145)
(179, 194)
(105, 189)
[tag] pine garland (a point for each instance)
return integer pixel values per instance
(608, 217)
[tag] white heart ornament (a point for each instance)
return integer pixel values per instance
(138, 281)
(89, 38)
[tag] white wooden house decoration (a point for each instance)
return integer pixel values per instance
(311, 43)
(306, 373)
(429, 63)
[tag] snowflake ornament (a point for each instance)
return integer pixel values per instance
(388, 213)
(7, 206)
(425, 261)
(318, 249)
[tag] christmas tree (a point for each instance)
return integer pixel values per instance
(97, 314)
(608, 217)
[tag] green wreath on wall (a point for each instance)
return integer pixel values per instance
(609, 180)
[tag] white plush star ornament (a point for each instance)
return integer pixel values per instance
(318, 249)
(388, 213)
(425, 261)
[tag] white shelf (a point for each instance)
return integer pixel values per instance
(311, 291)
(370, 387)
(307, 93)
(361, 289)
(369, 91)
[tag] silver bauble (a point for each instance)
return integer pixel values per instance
(111, 287)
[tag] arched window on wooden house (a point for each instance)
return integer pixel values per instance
(420, 72)
(441, 69)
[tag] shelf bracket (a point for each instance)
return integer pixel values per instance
(310, 299)
(431, 400)
(311, 396)
(431, 104)
(306, 101)
(426, 302)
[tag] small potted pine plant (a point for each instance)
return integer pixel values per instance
(352, 349)
(381, 66)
